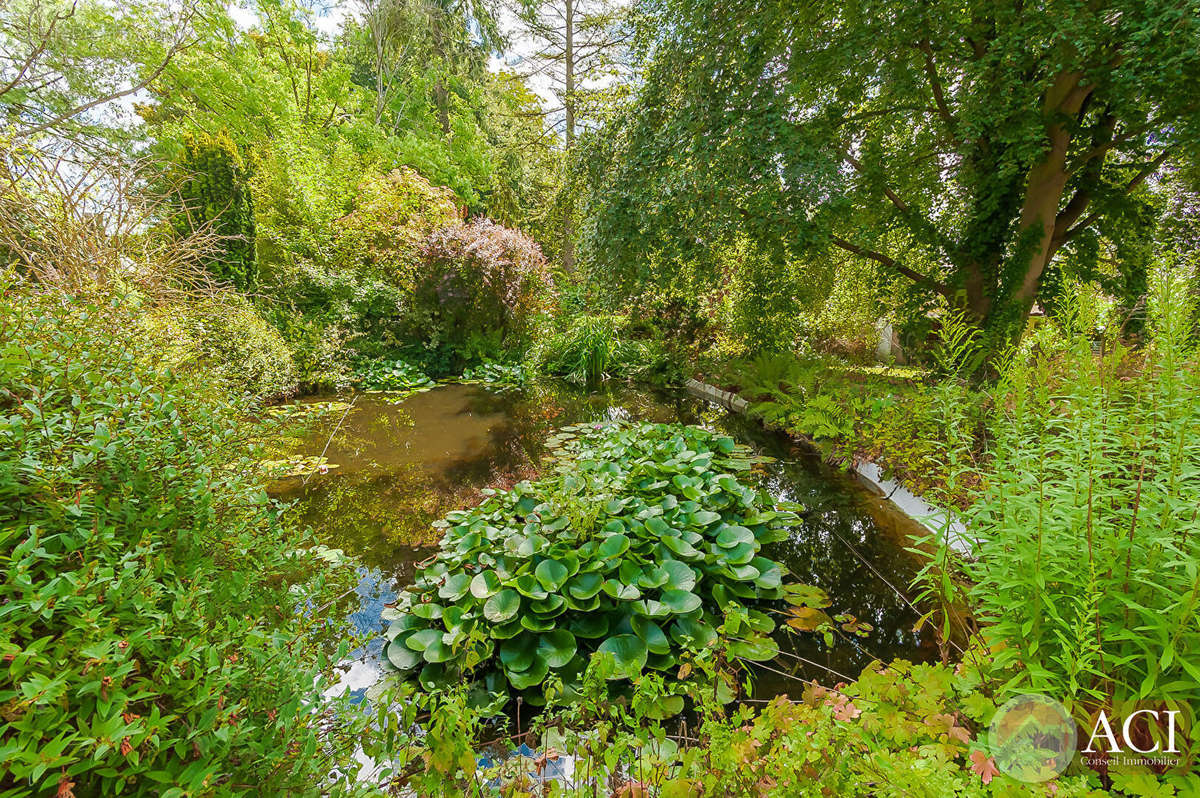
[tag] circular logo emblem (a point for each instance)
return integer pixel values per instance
(1032, 738)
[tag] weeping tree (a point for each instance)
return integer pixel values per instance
(961, 146)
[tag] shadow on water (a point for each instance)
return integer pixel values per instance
(403, 463)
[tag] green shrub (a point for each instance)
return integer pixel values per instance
(211, 189)
(477, 279)
(386, 232)
(639, 546)
(223, 338)
(150, 597)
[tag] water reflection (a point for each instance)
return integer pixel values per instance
(403, 464)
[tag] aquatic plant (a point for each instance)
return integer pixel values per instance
(497, 375)
(637, 546)
(391, 375)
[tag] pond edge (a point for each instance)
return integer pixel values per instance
(925, 513)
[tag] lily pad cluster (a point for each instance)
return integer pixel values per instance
(391, 375)
(638, 545)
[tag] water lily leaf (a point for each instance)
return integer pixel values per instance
(693, 632)
(432, 675)
(724, 444)
(485, 584)
(651, 608)
(705, 517)
(404, 623)
(741, 554)
(613, 546)
(666, 707)
(680, 547)
(551, 574)
(732, 536)
(743, 573)
(590, 626)
(654, 576)
(629, 572)
(535, 623)
(757, 648)
(527, 586)
(403, 657)
(662, 662)
(534, 675)
(437, 651)
(585, 586)
(502, 606)
(805, 596)
(621, 592)
(679, 575)
(550, 606)
(629, 655)
(455, 587)
(680, 601)
(656, 641)
(429, 611)
(517, 654)
(556, 648)
(583, 605)
(806, 619)
(504, 631)
(770, 576)
(658, 526)
(419, 641)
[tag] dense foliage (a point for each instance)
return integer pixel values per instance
(1086, 580)
(960, 147)
(152, 641)
(639, 545)
(479, 289)
(211, 190)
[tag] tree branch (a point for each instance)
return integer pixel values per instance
(893, 264)
(939, 96)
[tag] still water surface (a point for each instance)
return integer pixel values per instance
(403, 463)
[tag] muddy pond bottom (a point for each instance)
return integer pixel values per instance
(400, 463)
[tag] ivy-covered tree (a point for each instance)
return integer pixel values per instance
(211, 192)
(959, 145)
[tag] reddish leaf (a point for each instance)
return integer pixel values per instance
(984, 766)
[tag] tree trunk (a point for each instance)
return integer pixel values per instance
(1045, 186)
(568, 245)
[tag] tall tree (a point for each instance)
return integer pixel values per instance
(67, 66)
(960, 145)
(445, 39)
(577, 43)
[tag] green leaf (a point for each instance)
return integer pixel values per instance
(731, 536)
(517, 654)
(585, 586)
(680, 602)
(403, 657)
(613, 546)
(502, 606)
(551, 574)
(455, 587)
(656, 641)
(629, 655)
(485, 584)
(556, 648)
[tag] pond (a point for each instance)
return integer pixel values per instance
(401, 463)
